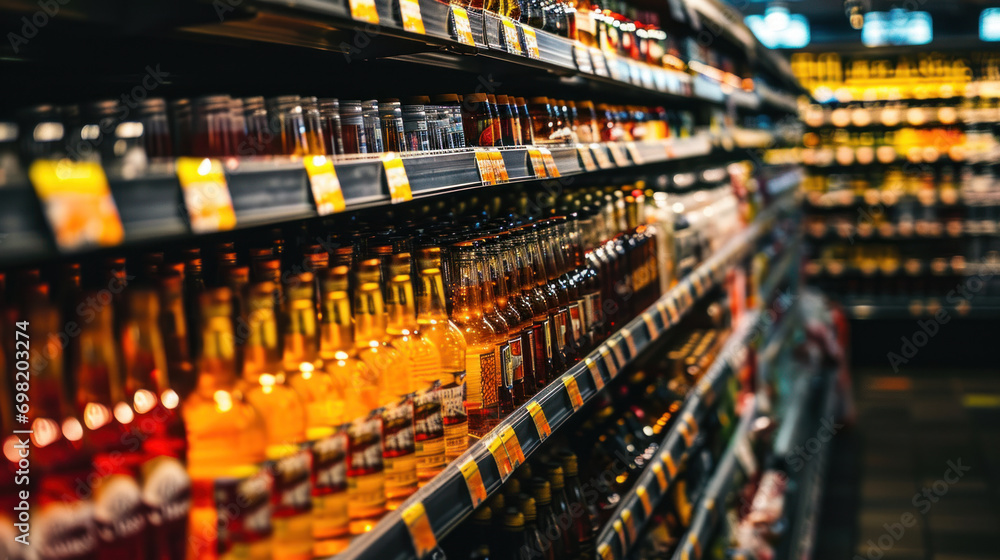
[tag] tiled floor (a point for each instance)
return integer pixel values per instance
(890, 492)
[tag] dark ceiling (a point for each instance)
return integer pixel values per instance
(955, 22)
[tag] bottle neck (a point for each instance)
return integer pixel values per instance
(173, 327)
(370, 318)
(488, 297)
(337, 328)
(402, 315)
(47, 392)
(301, 331)
(145, 360)
(217, 366)
(467, 301)
(497, 278)
(261, 354)
(536, 262)
(96, 365)
(548, 252)
(430, 301)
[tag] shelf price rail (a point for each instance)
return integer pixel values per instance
(619, 535)
(413, 530)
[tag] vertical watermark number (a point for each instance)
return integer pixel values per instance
(22, 381)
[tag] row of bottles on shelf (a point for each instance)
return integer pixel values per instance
(925, 76)
(555, 505)
(221, 126)
(971, 111)
(941, 260)
(244, 375)
(842, 147)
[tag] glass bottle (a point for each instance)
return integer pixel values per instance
(152, 113)
(259, 134)
(212, 128)
(416, 117)
(565, 252)
(557, 294)
(174, 329)
(424, 363)
(561, 509)
(548, 525)
(329, 111)
(524, 121)
(118, 510)
(391, 121)
(513, 538)
(289, 125)
(434, 325)
(316, 134)
(284, 415)
(374, 349)
(585, 525)
(166, 486)
(481, 338)
(517, 300)
(353, 131)
(365, 477)
(372, 124)
(477, 120)
(534, 540)
(542, 119)
(499, 275)
(547, 359)
(502, 390)
(226, 441)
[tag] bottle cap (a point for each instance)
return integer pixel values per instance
(513, 519)
(556, 477)
(569, 462)
(542, 491)
(483, 514)
(529, 508)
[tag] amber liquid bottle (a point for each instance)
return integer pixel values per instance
(568, 291)
(424, 362)
(284, 417)
(174, 328)
(501, 391)
(118, 509)
(374, 349)
(557, 297)
(157, 427)
(482, 342)
(517, 302)
(531, 269)
(514, 366)
(226, 442)
(434, 325)
(60, 462)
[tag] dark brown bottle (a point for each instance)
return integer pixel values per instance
(488, 277)
(514, 363)
(548, 525)
(517, 301)
(543, 367)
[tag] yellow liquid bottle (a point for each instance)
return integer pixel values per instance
(388, 364)
(434, 325)
(482, 359)
(285, 421)
(226, 442)
(424, 363)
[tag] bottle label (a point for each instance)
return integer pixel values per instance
(329, 464)
(596, 316)
(560, 329)
(292, 493)
(166, 491)
(549, 349)
(398, 447)
(243, 507)
(365, 478)
(506, 365)
(516, 359)
(576, 320)
(454, 418)
(486, 134)
(118, 508)
(64, 531)
(428, 430)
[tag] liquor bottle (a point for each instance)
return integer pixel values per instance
(562, 336)
(226, 442)
(541, 490)
(540, 267)
(478, 536)
(62, 517)
(284, 415)
(434, 325)
(481, 338)
(424, 363)
(543, 367)
(513, 536)
(584, 526)
(514, 300)
(118, 508)
(561, 509)
(511, 359)
(587, 275)
(565, 259)
(174, 329)
(157, 427)
(372, 342)
(536, 543)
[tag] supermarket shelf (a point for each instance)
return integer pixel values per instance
(712, 507)
(912, 268)
(618, 536)
(847, 199)
(890, 231)
(777, 275)
(447, 500)
(874, 118)
(271, 191)
(977, 307)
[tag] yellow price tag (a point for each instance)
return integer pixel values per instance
(654, 333)
(617, 350)
(474, 482)
(586, 158)
(689, 419)
(550, 162)
(621, 160)
(463, 29)
(609, 362)
(699, 288)
(395, 176)
(620, 531)
(412, 20)
(643, 495)
(595, 373)
(78, 204)
(604, 551)
(499, 166)
(512, 446)
(537, 163)
(324, 184)
(531, 42)
(364, 10)
(634, 153)
(424, 541)
(661, 477)
(541, 423)
(668, 460)
(496, 448)
(629, 522)
(575, 398)
(206, 194)
(661, 308)
(630, 342)
(601, 156)
(510, 37)
(487, 173)
(672, 310)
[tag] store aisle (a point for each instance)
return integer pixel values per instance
(916, 477)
